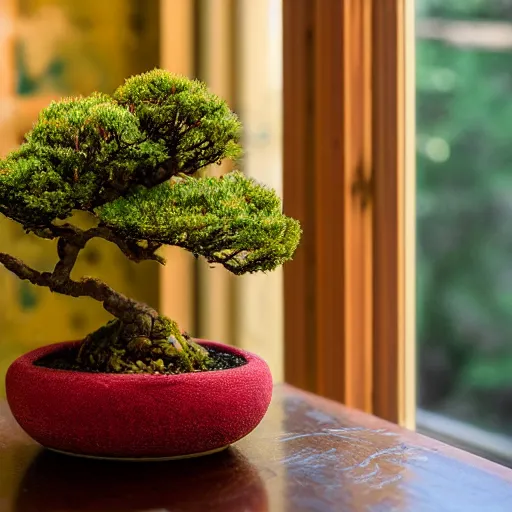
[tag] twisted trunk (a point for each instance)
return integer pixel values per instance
(139, 340)
(122, 307)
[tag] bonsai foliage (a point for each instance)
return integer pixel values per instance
(129, 161)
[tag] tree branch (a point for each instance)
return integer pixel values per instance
(71, 241)
(165, 171)
(132, 250)
(119, 305)
(199, 161)
(68, 254)
(23, 271)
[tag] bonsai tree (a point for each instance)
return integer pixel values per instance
(129, 161)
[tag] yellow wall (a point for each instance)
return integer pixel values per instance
(65, 47)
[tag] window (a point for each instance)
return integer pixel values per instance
(349, 301)
(349, 95)
(464, 198)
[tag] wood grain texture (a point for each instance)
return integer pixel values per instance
(389, 173)
(343, 232)
(344, 173)
(298, 183)
(308, 454)
(327, 175)
(410, 381)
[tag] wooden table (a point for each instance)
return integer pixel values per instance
(309, 454)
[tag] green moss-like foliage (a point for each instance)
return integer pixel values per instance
(129, 160)
(107, 350)
(113, 348)
(196, 126)
(78, 151)
(85, 152)
(230, 220)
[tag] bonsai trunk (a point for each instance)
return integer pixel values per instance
(139, 340)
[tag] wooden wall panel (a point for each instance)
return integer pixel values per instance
(231, 45)
(298, 169)
(342, 173)
(327, 174)
(344, 168)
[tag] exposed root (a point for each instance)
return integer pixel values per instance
(160, 348)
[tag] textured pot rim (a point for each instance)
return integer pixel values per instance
(27, 360)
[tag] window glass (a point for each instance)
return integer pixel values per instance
(464, 210)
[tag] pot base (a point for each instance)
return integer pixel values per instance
(143, 459)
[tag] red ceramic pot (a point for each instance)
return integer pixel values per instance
(138, 416)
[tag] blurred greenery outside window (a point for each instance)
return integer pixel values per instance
(464, 213)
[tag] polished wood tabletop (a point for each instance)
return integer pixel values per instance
(308, 454)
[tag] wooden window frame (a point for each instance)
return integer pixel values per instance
(348, 117)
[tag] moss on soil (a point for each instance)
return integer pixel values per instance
(67, 360)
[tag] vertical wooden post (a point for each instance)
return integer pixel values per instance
(341, 184)
(389, 174)
(344, 179)
(177, 297)
(327, 185)
(408, 418)
(298, 168)
(395, 211)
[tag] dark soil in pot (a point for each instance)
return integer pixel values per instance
(66, 360)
